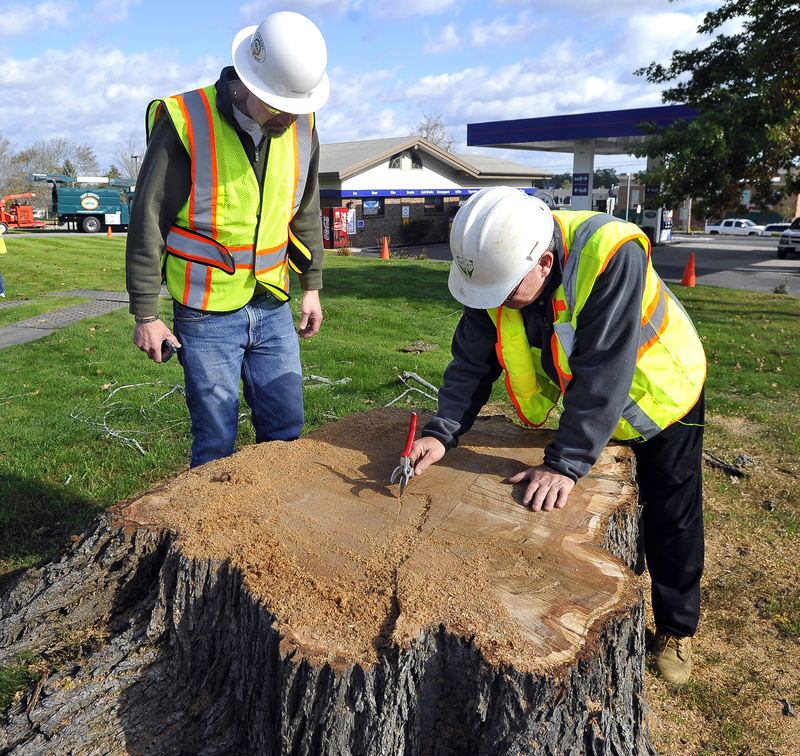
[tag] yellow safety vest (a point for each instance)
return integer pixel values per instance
(670, 366)
(233, 233)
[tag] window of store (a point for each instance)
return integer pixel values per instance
(434, 205)
(407, 160)
(373, 207)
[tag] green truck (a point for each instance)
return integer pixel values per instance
(90, 209)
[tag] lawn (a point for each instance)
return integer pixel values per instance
(87, 421)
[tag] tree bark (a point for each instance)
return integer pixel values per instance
(286, 601)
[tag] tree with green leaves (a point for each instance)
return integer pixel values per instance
(556, 181)
(605, 178)
(745, 87)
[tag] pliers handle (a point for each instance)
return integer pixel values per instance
(405, 470)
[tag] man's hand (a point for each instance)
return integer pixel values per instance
(547, 488)
(310, 314)
(425, 452)
(148, 337)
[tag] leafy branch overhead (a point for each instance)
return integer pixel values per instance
(744, 86)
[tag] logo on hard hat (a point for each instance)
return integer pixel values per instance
(467, 266)
(257, 47)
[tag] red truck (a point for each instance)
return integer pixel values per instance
(17, 215)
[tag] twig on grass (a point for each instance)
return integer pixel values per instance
(114, 408)
(17, 396)
(326, 381)
(403, 378)
(723, 465)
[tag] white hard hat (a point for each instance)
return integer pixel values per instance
(497, 237)
(282, 62)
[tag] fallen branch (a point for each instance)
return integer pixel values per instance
(112, 408)
(326, 381)
(402, 378)
(721, 464)
(408, 374)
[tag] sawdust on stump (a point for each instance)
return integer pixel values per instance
(351, 571)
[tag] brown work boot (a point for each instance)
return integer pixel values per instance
(672, 658)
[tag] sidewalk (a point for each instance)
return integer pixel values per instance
(43, 325)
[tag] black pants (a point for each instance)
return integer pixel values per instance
(670, 477)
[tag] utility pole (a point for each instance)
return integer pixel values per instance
(628, 200)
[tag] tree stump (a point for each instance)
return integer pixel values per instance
(286, 600)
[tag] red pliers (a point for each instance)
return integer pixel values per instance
(405, 470)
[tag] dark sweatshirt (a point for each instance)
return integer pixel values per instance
(607, 344)
(163, 186)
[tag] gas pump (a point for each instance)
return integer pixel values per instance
(666, 226)
(651, 225)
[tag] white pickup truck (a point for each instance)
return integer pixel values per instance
(739, 226)
(790, 240)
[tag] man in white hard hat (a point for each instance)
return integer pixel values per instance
(226, 201)
(568, 304)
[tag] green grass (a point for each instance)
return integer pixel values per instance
(785, 612)
(86, 420)
(64, 397)
(80, 406)
(38, 265)
(14, 678)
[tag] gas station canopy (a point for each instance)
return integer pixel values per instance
(583, 134)
(612, 133)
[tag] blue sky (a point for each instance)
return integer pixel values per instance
(86, 70)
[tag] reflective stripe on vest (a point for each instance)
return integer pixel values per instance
(654, 318)
(232, 233)
(531, 391)
(665, 386)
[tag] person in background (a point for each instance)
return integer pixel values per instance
(227, 200)
(569, 305)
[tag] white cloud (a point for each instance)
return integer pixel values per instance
(607, 11)
(447, 42)
(410, 8)
(654, 37)
(92, 96)
(472, 64)
(500, 32)
(114, 10)
(256, 11)
(18, 19)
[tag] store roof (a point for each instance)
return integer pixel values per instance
(342, 160)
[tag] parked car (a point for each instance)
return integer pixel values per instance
(790, 239)
(739, 226)
(775, 229)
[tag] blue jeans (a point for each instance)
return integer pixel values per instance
(257, 344)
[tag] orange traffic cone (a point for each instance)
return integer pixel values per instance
(108, 233)
(688, 274)
(385, 250)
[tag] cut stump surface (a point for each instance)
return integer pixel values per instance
(286, 600)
